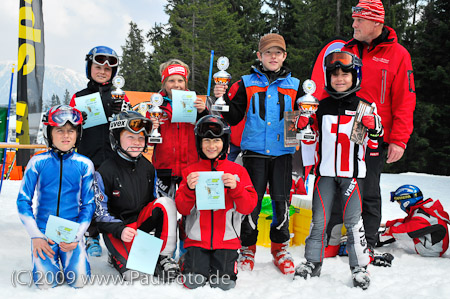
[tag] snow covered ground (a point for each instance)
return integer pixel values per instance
(411, 276)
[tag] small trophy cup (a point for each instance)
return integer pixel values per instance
(118, 94)
(308, 105)
(223, 78)
(156, 112)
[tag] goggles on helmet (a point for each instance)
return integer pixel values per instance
(135, 125)
(209, 128)
(59, 117)
(345, 60)
(363, 10)
(102, 59)
(405, 196)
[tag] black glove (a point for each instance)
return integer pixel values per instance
(84, 115)
(382, 239)
(116, 106)
(382, 259)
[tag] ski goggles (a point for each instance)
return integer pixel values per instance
(210, 129)
(344, 59)
(363, 10)
(406, 196)
(135, 125)
(102, 59)
(59, 117)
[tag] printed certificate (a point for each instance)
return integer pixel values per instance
(183, 110)
(92, 105)
(209, 191)
(61, 230)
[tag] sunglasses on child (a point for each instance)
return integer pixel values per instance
(136, 125)
(344, 59)
(102, 59)
(60, 117)
(208, 129)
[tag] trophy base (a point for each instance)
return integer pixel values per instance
(306, 137)
(220, 108)
(154, 139)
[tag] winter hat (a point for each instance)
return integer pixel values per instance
(271, 40)
(370, 10)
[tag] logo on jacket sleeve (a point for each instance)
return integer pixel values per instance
(116, 193)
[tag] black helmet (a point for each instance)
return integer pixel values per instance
(58, 116)
(212, 126)
(348, 62)
(131, 121)
(102, 55)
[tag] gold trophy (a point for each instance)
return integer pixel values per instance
(223, 78)
(307, 105)
(156, 112)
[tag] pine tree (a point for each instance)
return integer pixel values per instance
(55, 100)
(133, 66)
(67, 97)
(195, 28)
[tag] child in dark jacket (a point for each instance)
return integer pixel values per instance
(426, 223)
(213, 235)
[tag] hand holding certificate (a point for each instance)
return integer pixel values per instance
(183, 110)
(61, 230)
(144, 253)
(92, 105)
(209, 191)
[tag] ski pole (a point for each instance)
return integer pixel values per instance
(7, 126)
(210, 73)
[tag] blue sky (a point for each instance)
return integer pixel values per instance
(73, 27)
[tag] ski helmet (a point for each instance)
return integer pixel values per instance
(102, 55)
(131, 121)
(58, 116)
(407, 195)
(212, 126)
(347, 62)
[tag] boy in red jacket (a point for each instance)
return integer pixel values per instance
(212, 237)
(426, 223)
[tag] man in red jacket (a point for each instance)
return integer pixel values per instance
(426, 223)
(388, 81)
(213, 235)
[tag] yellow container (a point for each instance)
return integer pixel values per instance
(302, 223)
(264, 222)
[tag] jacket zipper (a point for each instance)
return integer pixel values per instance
(60, 184)
(383, 85)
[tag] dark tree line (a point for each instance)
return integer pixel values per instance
(232, 28)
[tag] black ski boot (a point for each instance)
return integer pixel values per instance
(361, 277)
(306, 269)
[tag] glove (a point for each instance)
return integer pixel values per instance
(373, 123)
(116, 106)
(382, 259)
(84, 115)
(302, 122)
(383, 239)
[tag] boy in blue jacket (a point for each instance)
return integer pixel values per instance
(64, 182)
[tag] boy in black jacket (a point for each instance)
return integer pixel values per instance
(127, 200)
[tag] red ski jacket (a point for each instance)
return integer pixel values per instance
(216, 229)
(177, 149)
(387, 80)
(426, 224)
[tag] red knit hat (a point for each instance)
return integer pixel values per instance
(370, 10)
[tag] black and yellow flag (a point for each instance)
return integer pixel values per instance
(30, 73)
